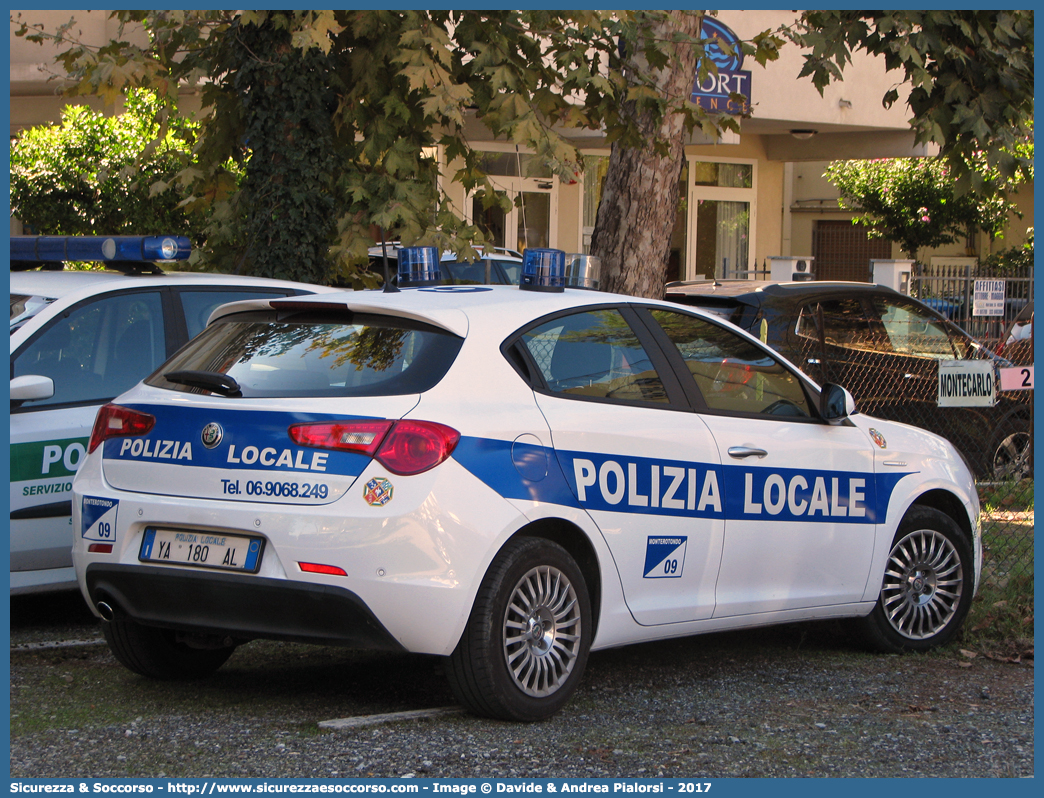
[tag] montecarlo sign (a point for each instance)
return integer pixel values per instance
(712, 93)
(967, 383)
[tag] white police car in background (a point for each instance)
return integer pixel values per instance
(494, 265)
(79, 338)
(507, 478)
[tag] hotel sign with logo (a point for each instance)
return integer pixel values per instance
(712, 93)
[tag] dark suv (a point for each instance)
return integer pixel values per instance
(884, 347)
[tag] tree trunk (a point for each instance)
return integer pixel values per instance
(632, 234)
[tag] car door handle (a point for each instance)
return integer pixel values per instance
(739, 452)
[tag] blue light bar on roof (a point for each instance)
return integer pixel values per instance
(100, 248)
(419, 266)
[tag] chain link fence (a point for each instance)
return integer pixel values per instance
(1006, 495)
(997, 441)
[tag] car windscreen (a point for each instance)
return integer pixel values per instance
(24, 307)
(275, 354)
(464, 273)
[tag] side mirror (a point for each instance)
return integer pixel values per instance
(31, 387)
(836, 403)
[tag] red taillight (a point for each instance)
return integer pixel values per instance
(403, 447)
(413, 447)
(114, 421)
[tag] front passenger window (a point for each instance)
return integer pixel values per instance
(733, 374)
(98, 350)
(913, 332)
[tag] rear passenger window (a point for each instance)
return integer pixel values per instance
(274, 355)
(733, 374)
(594, 354)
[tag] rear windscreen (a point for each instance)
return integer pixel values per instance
(280, 355)
(721, 307)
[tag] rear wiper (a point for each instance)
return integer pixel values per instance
(207, 380)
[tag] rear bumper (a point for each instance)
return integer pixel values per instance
(237, 606)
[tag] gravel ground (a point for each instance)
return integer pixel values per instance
(793, 701)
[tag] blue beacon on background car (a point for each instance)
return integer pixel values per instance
(508, 477)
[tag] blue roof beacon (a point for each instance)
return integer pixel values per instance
(419, 266)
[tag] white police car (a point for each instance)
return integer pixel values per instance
(493, 266)
(79, 338)
(507, 478)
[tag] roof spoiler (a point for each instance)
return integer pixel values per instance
(701, 280)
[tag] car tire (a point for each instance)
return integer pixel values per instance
(1011, 453)
(927, 586)
(157, 653)
(526, 642)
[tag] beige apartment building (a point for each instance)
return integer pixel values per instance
(746, 198)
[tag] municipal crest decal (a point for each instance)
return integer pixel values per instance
(878, 438)
(378, 492)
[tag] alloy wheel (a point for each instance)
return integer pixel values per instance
(922, 585)
(542, 631)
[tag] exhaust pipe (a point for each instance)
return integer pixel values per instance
(105, 610)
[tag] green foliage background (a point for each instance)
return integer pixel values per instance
(94, 174)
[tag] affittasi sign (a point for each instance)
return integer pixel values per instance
(712, 93)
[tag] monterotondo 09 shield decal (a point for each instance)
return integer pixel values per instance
(238, 455)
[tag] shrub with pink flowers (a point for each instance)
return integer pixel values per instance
(914, 202)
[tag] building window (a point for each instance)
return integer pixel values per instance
(595, 167)
(725, 175)
(713, 234)
(532, 220)
(722, 238)
(721, 219)
(513, 164)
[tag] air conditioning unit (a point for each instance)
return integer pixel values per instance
(786, 268)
